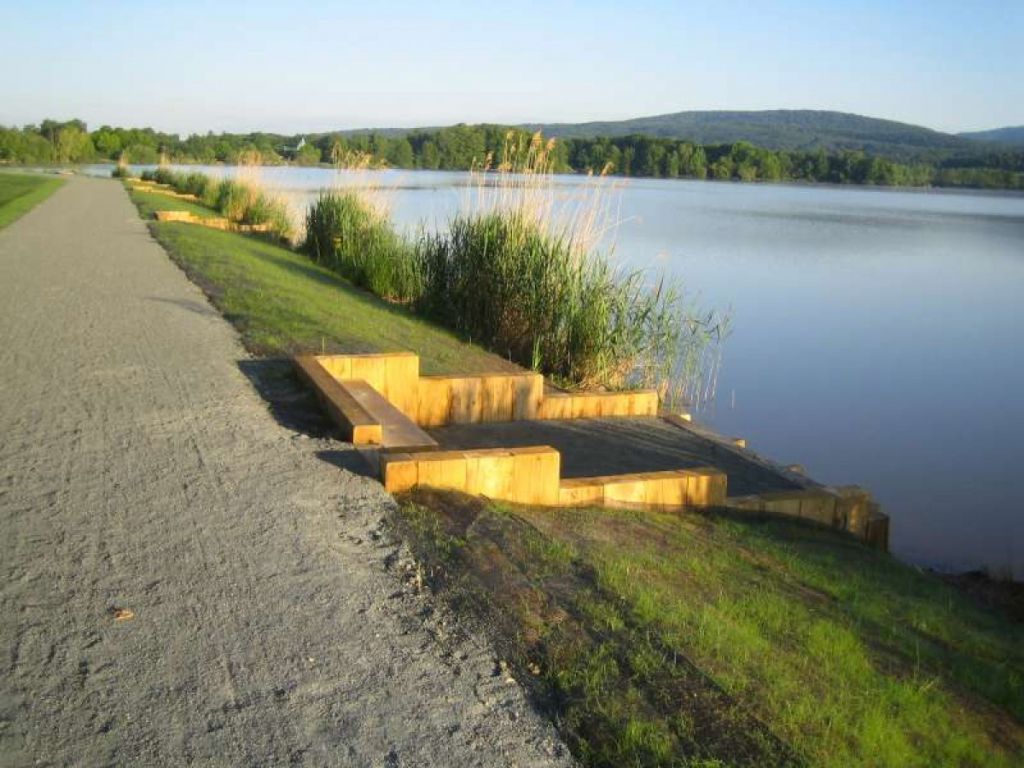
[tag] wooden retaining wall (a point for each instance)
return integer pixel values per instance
(595, 405)
(699, 487)
(163, 189)
(475, 399)
(213, 222)
(521, 475)
(847, 508)
(434, 401)
(531, 475)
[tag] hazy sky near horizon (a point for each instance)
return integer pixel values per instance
(298, 65)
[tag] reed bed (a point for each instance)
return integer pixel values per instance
(522, 269)
(241, 200)
(519, 269)
(354, 239)
(526, 268)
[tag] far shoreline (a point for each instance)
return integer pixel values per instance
(797, 183)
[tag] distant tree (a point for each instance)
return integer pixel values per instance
(722, 168)
(308, 154)
(693, 161)
(400, 154)
(107, 142)
(770, 167)
(746, 171)
(338, 150)
(821, 166)
(430, 158)
(672, 164)
(50, 129)
(141, 154)
(73, 145)
(626, 163)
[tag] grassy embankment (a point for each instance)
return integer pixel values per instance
(283, 303)
(656, 639)
(710, 639)
(515, 271)
(19, 193)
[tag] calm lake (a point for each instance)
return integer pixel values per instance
(877, 335)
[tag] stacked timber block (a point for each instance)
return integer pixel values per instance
(435, 401)
(598, 405)
(445, 400)
(213, 222)
(163, 189)
(521, 475)
(531, 475)
(359, 427)
(185, 216)
(394, 375)
(699, 487)
(380, 401)
(847, 508)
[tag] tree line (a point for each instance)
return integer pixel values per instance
(462, 147)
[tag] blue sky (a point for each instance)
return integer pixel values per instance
(302, 66)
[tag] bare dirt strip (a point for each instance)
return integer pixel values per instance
(182, 579)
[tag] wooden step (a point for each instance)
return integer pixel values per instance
(398, 430)
(357, 425)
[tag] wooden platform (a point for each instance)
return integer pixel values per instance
(505, 437)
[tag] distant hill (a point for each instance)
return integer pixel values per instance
(802, 129)
(1012, 135)
(790, 129)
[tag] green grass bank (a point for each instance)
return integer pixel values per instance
(20, 193)
(283, 303)
(712, 639)
(518, 274)
(661, 639)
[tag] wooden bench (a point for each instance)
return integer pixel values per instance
(397, 429)
(364, 415)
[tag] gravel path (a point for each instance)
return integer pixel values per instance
(273, 620)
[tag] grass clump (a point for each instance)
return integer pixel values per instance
(348, 235)
(523, 277)
(19, 193)
(243, 202)
(533, 296)
(282, 303)
(683, 639)
(513, 271)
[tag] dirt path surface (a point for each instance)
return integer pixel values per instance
(140, 470)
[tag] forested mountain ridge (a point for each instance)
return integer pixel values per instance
(804, 130)
(790, 129)
(1011, 135)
